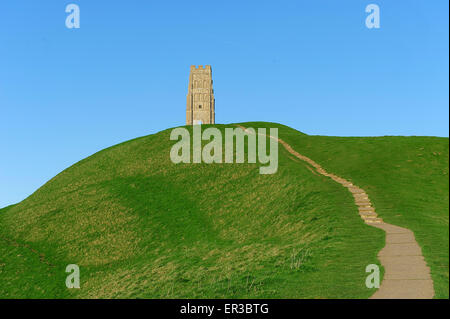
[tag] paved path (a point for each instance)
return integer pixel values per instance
(407, 275)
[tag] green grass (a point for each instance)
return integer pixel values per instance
(140, 226)
(406, 179)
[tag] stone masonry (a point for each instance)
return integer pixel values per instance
(200, 97)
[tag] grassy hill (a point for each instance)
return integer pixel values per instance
(140, 226)
(405, 177)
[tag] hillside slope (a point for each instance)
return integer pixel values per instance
(140, 226)
(407, 179)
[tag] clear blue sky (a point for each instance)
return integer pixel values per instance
(312, 65)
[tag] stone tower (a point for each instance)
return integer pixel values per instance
(200, 97)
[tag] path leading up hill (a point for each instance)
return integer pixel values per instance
(407, 275)
(140, 226)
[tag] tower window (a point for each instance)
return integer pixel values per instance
(199, 106)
